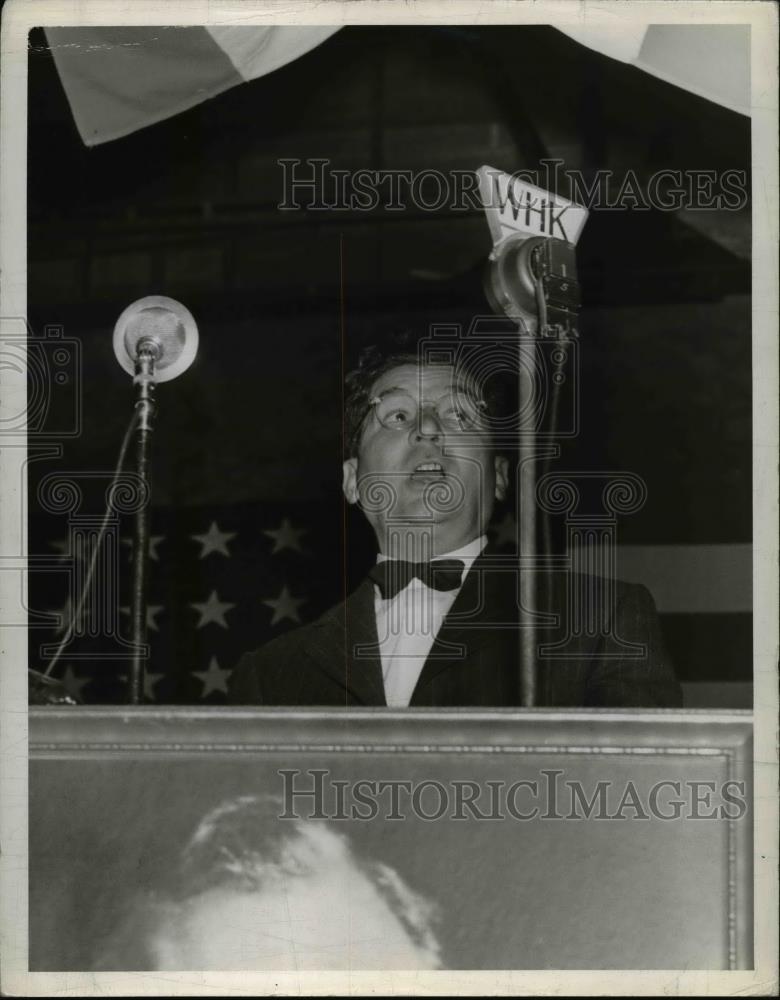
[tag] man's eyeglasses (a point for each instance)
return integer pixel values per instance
(456, 412)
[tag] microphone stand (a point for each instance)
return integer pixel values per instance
(148, 353)
(526, 541)
(533, 282)
(155, 340)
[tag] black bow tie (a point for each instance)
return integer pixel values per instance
(393, 575)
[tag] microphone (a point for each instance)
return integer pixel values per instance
(531, 278)
(533, 281)
(160, 329)
(155, 339)
(531, 274)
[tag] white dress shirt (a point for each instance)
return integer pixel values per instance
(407, 624)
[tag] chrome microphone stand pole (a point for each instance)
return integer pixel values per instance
(526, 540)
(147, 354)
(510, 286)
(155, 340)
(532, 281)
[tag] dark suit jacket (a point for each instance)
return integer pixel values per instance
(475, 658)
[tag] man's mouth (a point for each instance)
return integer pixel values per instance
(428, 470)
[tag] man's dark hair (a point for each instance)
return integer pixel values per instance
(404, 349)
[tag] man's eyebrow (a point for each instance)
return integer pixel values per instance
(390, 388)
(458, 387)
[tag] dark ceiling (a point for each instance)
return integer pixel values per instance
(190, 203)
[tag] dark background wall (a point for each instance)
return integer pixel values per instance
(252, 433)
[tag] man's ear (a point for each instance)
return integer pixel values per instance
(501, 464)
(349, 481)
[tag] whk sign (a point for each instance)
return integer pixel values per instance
(514, 206)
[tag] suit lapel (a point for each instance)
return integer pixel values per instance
(485, 602)
(485, 612)
(347, 649)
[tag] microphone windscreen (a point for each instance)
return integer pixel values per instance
(168, 324)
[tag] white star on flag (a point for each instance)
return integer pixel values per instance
(286, 537)
(505, 532)
(150, 680)
(214, 540)
(212, 610)
(151, 611)
(154, 541)
(214, 679)
(285, 606)
(73, 683)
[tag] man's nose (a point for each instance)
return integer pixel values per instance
(427, 424)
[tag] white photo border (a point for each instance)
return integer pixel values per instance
(19, 17)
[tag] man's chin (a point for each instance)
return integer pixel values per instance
(414, 512)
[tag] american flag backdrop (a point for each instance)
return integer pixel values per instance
(222, 580)
(225, 579)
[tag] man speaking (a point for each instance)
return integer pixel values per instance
(437, 620)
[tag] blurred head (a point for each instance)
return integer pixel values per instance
(254, 892)
(420, 455)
